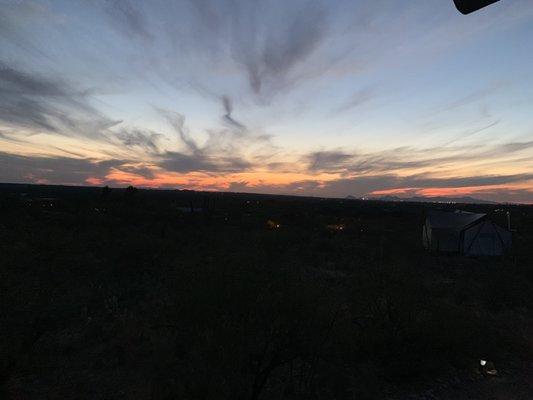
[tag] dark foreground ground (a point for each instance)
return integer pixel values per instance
(129, 295)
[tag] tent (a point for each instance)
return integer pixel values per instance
(465, 233)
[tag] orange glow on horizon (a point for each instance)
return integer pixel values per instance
(452, 191)
(203, 181)
(281, 182)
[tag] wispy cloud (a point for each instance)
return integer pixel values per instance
(183, 163)
(42, 104)
(471, 132)
(57, 170)
(358, 98)
(328, 160)
(270, 58)
(228, 108)
(177, 121)
(144, 140)
(221, 152)
(127, 16)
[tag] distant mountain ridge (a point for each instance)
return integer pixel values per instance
(421, 199)
(48, 190)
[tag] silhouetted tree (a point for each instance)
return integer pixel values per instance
(131, 191)
(106, 192)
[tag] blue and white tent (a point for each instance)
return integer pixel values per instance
(465, 233)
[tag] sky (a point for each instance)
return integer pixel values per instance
(319, 98)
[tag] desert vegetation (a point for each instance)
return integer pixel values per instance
(149, 294)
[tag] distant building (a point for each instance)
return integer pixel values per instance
(465, 233)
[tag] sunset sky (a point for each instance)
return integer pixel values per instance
(323, 98)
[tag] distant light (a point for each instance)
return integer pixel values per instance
(273, 224)
(483, 362)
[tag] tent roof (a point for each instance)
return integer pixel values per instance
(452, 220)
